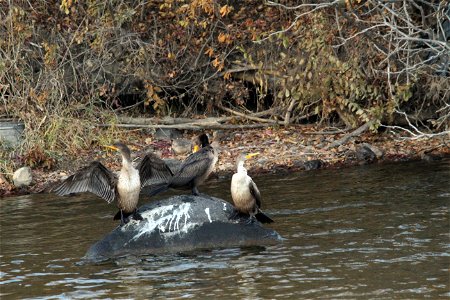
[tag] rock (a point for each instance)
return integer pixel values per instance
(298, 164)
(22, 177)
(167, 134)
(182, 223)
(429, 157)
(378, 152)
(181, 146)
(313, 164)
(364, 154)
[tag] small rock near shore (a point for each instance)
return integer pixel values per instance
(365, 155)
(308, 164)
(22, 177)
(167, 134)
(181, 146)
(377, 151)
(313, 164)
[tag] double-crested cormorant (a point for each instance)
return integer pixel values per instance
(245, 193)
(193, 170)
(124, 188)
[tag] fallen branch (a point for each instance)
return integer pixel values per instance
(169, 120)
(348, 136)
(250, 117)
(287, 117)
(414, 132)
(174, 121)
(189, 126)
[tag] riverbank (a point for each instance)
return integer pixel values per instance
(282, 150)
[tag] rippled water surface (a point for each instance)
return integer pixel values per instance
(368, 232)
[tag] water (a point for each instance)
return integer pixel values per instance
(368, 232)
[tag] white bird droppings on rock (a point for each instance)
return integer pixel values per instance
(207, 213)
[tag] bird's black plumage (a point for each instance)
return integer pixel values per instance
(193, 170)
(124, 189)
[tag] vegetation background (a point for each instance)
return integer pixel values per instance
(71, 70)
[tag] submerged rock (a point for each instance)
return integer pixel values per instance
(182, 223)
(22, 177)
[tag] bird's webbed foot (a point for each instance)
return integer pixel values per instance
(137, 216)
(251, 220)
(195, 191)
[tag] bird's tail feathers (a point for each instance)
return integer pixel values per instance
(263, 218)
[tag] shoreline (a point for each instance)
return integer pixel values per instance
(282, 150)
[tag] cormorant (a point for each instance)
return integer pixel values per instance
(244, 192)
(193, 170)
(124, 188)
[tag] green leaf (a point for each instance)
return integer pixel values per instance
(285, 42)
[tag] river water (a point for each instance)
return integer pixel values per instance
(378, 232)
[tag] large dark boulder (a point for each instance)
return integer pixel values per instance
(182, 223)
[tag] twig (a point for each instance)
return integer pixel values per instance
(313, 6)
(415, 132)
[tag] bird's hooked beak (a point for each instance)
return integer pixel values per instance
(250, 155)
(196, 148)
(112, 147)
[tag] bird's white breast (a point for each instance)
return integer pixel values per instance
(129, 187)
(240, 190)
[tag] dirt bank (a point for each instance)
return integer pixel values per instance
(281, 150)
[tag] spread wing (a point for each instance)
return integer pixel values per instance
(94, 178)
(153, 170)
(255, 192)
(193, 166)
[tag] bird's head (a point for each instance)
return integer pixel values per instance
(200, 141)
(250, 155)
(203, 140)
(122, 148)
(243, 157)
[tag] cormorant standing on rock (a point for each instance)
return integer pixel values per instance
(124, 188)
(194, 170)
(245, 193)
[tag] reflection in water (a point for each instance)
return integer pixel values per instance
(367, 232)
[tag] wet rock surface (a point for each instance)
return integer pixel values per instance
(182, 223)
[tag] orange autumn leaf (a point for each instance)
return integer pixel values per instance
(209, 52)
(224, 38)
(218, 64)
(225, 10)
